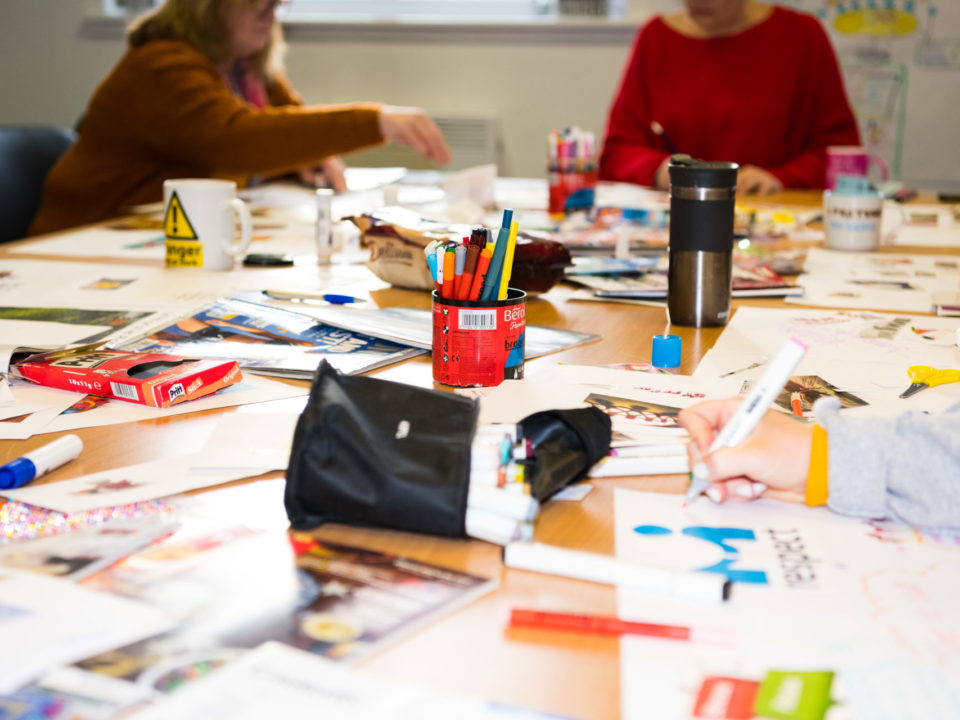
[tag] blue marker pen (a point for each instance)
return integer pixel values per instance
(332, 298)
(35, 463)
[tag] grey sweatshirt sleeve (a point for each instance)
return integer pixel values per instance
(905, 467)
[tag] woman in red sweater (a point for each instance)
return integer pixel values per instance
(729, 80)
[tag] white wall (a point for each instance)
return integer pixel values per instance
(531, 89)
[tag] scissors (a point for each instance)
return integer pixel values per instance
(924, 376)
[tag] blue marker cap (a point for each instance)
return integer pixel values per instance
(666, 351)
(335, 299)
(640, 215)
(17, 473)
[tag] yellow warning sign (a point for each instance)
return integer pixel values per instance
(176, 224)
(184, 253)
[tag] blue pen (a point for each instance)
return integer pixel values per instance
(35, 463)
(332, 298)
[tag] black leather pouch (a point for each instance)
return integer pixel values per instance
(379, 453)
(383, 454)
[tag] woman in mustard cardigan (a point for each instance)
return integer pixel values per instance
(201, 92)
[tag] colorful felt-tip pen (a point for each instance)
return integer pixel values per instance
(36, 463)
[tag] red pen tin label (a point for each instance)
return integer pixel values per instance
(478, 344)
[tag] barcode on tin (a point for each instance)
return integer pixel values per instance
(478, 319)
(127, 392)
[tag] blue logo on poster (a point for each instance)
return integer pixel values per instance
(720, 538)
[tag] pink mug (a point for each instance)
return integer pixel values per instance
(850, 160)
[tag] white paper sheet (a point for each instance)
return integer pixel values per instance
(643, 410)
(683, 387)
(252, 389)
(123, 485)
(928, 225)
(278, 681)
(48, 622)
(257, 442)
(875, 281)
(32, 409)
(95, 242)
(864, 353)
(29, 284)
(811, 590)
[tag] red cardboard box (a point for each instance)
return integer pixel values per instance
(147, 378)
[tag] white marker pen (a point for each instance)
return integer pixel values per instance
(324, 232)
(704, 586)
(35, 463)
(756, 404)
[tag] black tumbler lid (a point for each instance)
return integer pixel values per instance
(688, 172)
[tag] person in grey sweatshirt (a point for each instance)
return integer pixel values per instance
(905, 468)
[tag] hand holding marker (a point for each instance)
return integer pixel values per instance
(751, 410)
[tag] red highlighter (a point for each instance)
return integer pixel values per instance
(543, 620)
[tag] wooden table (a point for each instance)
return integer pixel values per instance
(470, 651)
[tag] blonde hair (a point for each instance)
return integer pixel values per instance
(204, 25)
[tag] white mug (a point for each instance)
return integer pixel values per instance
(855, 222)
(198, 223)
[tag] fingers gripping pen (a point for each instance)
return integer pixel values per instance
(751, 410)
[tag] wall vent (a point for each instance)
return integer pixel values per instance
(472, 141)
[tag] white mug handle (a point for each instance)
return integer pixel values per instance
(887, 238)
(238, 250)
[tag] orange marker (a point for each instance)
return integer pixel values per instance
(483, 264)
(469, 268)
(796, 404)
(449, 277)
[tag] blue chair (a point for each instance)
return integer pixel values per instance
(27, 152)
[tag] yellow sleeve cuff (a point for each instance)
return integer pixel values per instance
(817, 489)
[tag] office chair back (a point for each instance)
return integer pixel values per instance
(27, 152)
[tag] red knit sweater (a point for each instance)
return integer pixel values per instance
(769, 96)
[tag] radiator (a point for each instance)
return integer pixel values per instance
(472, 141)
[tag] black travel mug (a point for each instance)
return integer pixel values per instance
(702, 196)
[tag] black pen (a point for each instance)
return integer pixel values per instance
(658, 130)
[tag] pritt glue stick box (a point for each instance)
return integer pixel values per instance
(150, 379)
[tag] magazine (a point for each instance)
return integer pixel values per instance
(653, 285)
(79, 553)
(337, 601)
(414, 327)
(268, 341)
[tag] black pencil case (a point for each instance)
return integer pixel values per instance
(377, 453)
